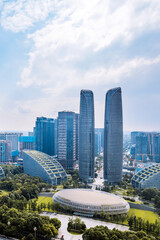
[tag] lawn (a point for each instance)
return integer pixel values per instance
(42, 199)
(136, 202)
(45, 200)
(147, 215)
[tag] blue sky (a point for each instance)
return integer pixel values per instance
(51, 49)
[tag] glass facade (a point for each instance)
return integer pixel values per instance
(86, 136)
(39, 164)
(13, 139)
(77, 136)
(148, 177)
(67, 139)
(27, 142)
(113, 136)
(99, 140)
(45, 135)
(147, 146)
(156, 148)
(5, 151)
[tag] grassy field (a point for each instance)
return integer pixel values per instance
(147, 215)
(45, 200)
(136, 202)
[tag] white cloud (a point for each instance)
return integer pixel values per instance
(18, 15)
(77, 27)
(72, 34)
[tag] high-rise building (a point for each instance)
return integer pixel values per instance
(13, 139)
(156, 148)
(67, 139)
(147, 146)
(99, 140)
(45, 135)
(141, 148)
(97, 143)
(27, 142)
(86, 136)
(56, 137)
(5, 151)
(113, 136)
(77, 136)
(31, 134)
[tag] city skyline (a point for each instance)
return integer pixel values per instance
(50, 50)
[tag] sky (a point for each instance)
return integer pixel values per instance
(51, 49)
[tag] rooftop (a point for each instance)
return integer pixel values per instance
(91, 197)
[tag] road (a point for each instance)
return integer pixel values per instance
(5, 238)
(88, 221)
(98, 180)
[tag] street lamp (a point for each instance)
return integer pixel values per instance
(35, 229)
(8, 223)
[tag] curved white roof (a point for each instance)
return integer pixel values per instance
(90, 197)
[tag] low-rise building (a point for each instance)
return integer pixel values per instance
(88, 201)
(39, 164)
(148, 177)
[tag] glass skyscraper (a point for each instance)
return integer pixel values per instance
(45, 135)
(67, 139)
(113, 136)
(77, 136)
(86, 136)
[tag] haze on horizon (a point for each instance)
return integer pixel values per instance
(50, 50)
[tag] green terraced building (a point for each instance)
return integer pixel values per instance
(148, 177)
(42, 165)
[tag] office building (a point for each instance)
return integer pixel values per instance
(45, 135)
(77, 137)
(156, 147)
(31, 134)
(141, 149)
(67, 139)
(5, 151)
(56, 137)
(27, 142)
(113, 136)
(147, 146)
(86, 136)
(99, 141)
(13, 139)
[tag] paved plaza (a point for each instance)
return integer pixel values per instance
(88, 221)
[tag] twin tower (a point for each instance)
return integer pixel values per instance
(113, 136)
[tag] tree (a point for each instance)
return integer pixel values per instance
(141, 234)
(130, 222)
(55, 222)
(76, 224)
(30, 237)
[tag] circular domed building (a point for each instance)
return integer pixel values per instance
(89, 201)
